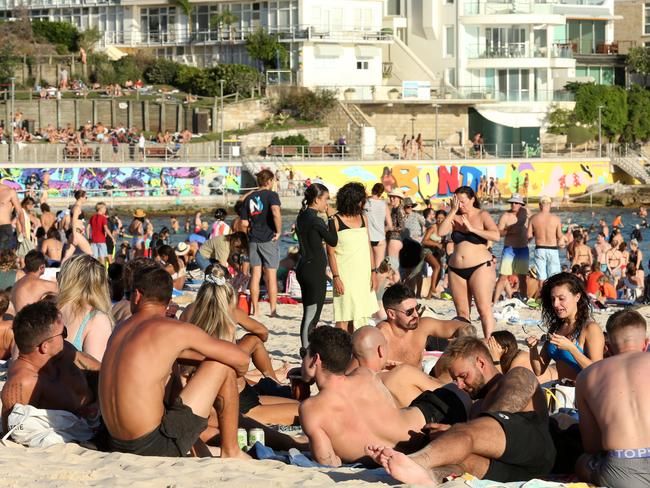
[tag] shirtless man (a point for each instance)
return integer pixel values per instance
(514, 260)
(612, 397)
(405, 382)
(52, 248)
(600, 251)
(350, 410)
(507, 440)
(546, 229)
(31, 288)
(8, 204)
(140, 415)
(49, 372)
(407, 333)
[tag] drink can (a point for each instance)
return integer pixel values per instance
(242, 438)
(255, 435)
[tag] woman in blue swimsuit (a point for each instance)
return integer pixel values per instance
(574, 340)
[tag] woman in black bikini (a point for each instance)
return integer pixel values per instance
(471, 273)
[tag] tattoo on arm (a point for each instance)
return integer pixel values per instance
(514, 392)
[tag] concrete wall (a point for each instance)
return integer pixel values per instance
(629, 31)
(143, 115)
(255, 144)
(341, 121)
(392, 122)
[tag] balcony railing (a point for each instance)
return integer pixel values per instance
(286, 34)
(522, 6)
(518, 50)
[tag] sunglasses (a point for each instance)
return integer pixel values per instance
(408, 312)
(63, 333)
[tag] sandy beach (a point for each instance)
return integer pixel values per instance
(73, 466)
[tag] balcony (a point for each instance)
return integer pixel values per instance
(178, 37)
(518, 50)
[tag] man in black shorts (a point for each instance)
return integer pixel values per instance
(507, 439)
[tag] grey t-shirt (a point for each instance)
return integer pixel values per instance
(376, 212)
(414, 226)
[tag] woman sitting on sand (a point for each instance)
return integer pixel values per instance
(215, 311)
(471, 268)
(52, 247)
(507, 355)
(166, 256)
(85, 304)
(574, 340)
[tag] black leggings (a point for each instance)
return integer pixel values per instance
(313, 284)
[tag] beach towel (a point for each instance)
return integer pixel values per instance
(34, 427)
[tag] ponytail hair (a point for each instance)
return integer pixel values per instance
(313, 191)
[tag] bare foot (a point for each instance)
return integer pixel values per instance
(235, 454)
(400, 466)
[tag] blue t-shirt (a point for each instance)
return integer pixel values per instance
(257, 210)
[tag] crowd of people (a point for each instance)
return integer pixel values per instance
(75, 339)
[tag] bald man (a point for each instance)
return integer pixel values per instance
(405, 382)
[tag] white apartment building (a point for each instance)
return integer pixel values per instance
(516, 54)
(331, 42)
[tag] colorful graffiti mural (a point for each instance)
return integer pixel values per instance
(212, 180)
(434, 181)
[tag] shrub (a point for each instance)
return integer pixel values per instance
(63, 35)
(128, 68)
(100, 68)
(162, 72)
(8, 62)
(578, 135)
(296, 140)
(638, 127)
(614, 113)
(306, 104)
(238, 78)
(196, 81)
(266, 49)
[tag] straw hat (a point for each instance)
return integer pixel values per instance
(182, 249)
(397, 193)
(410, 203)
(139, 213)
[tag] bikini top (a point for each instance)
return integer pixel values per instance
(78, 342)
(458, 236)
(565, 356)
(342, 225)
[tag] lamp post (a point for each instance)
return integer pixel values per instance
(435, 142)
(600, 131)
(12, 146)
(221, 82)
(413, 125)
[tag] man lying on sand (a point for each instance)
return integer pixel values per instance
(507, 440)
(141, 414)
(405, 331)
(49, 372)
(613, 397)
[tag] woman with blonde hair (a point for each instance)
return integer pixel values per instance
(85, 304)
(215, 311)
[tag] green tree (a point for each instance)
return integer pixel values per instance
(266, 48)
(638, 61)
(88, 38)
(187, 8)
(612, 99)
(63, 35)
(559, 120)
(638, 127)
(223, 21)
(8, 62)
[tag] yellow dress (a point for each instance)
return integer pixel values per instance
(358, 301)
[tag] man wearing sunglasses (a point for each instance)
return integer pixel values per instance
(49, 373)
(406, 332)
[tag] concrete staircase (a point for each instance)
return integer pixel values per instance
(406, 64)
(633, 164)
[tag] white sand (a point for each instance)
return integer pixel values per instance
(72, 466)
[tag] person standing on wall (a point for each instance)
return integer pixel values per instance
(261, 218)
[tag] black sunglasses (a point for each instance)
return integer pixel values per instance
(408, 312)
(64, 334)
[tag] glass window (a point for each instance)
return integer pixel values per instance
(449, 41)
(450, 76)
(393, 7)
(362, 65)
(646, 18)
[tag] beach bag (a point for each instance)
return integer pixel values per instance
(34, 427)
(292, 286)
(560, 396)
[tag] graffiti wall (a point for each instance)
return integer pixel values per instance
(433, 181)
(183, 181)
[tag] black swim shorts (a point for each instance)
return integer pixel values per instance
(441, 406)
(248, 399)
(530, 452)
(7, 240)
(178, 431)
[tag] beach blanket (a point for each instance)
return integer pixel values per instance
(34, 427)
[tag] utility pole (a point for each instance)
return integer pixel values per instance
(11, 121)
(435, 143)
(600, 131)
(221, 82)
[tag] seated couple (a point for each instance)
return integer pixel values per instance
(355, 417)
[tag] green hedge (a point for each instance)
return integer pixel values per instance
(297, 140)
